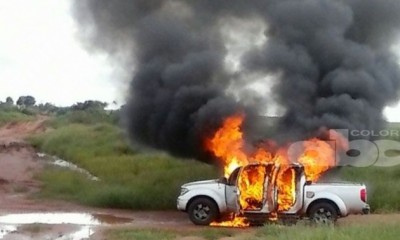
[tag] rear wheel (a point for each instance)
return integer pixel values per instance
(203, 211)
(323, 213)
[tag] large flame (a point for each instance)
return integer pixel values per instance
(317, 158)
(286, 183)
(251, 185)
(227, 144)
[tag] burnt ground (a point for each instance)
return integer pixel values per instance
(19, 164)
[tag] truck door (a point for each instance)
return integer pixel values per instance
(290, 188)
(251, 184)
(232, 192)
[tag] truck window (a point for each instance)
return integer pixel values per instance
(233, 177)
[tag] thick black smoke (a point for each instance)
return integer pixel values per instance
(331, 61)
(177, 94)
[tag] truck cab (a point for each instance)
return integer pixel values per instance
(247, 197)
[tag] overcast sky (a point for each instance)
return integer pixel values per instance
(41, 56)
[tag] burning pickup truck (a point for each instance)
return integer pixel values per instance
(246, 199)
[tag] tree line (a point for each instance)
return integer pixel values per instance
(30, 102)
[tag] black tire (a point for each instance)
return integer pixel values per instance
(203, 211)
(323, 213)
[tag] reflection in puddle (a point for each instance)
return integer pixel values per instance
(10, 223)
(83, 233)
(6, 229)
(54, 160)
(62, 218)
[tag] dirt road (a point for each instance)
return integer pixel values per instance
(18, 162)
(23, 217)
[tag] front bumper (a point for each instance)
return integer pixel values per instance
(181, 203)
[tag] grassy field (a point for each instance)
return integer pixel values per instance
(128, 179)
(273, 232)
(10, 113)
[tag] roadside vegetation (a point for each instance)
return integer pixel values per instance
(11, 113)
(92, 140)
(273, 232)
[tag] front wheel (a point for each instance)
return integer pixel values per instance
(203, 211)
(323, 213)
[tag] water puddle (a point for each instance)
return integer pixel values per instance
(83, 233)
(62, 218)
(56, 161)
(88, 222)
(6, 229)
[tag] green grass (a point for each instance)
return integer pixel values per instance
(150, 234)
(128, 179)
(216, 233)
(377, 231)
(90, 116)
(140, 234)
(11, 114)
(273, 232)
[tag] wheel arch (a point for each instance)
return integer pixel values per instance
(202, 196)
(327, 196)
(323, 200)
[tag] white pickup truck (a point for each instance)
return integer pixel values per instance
(208, 201)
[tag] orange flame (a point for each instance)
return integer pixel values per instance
(237, 221)
(228, 145)
(317, 158)
(251, 185)
(286, 183)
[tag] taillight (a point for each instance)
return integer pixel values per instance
(363, 195)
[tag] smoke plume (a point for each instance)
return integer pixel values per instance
(331, 62)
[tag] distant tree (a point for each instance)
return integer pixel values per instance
(9, 101)
(89, 104)
(47, 107)
(20, 101)
(29, 101)
(26, 101)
